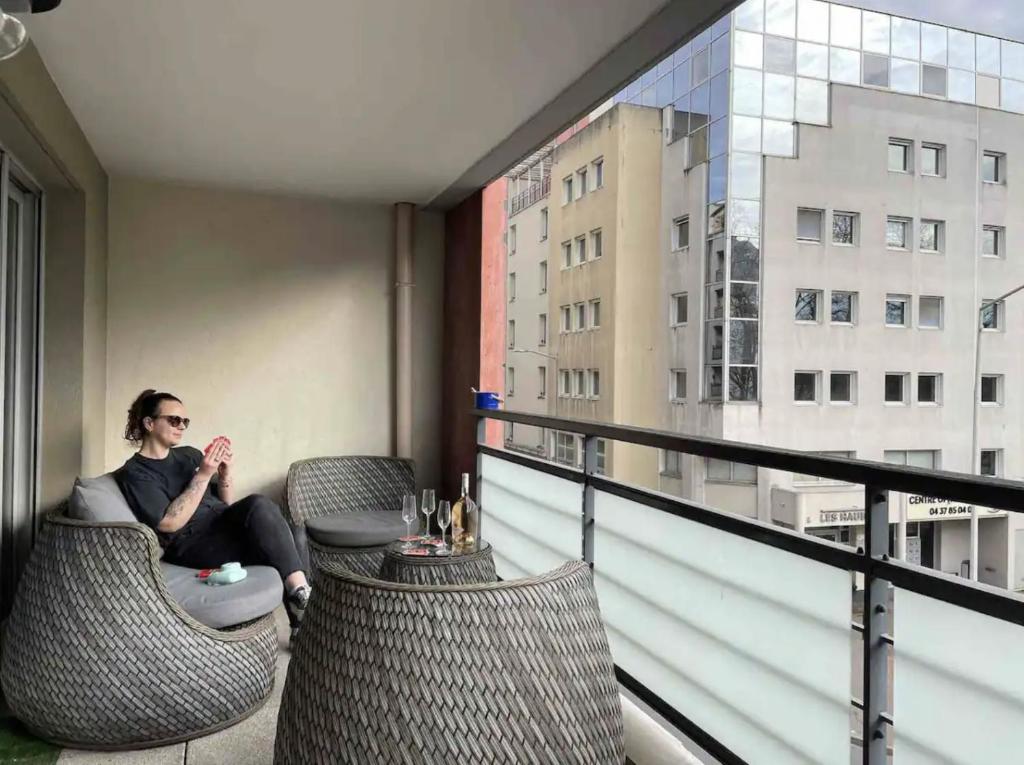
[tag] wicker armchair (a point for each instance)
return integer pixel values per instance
(509, 673)
(98, 655)
(324, 487)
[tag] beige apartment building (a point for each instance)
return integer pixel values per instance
(603, 286)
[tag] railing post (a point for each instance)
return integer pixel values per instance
(589, 469)
(474, 490)
(876, 607)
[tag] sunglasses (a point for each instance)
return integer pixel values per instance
(174, 420)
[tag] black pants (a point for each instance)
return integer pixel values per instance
(252, 531)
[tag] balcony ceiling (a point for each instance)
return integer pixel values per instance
(377, 100)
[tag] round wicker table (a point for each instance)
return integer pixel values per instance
(475, 567)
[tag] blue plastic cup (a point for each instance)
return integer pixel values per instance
(486, 400)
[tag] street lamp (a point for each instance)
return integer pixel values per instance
(545, 355)
(975, 455)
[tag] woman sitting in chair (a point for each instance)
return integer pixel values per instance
(171, 489)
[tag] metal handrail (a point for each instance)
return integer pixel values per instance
(530, 196)
(872, 560)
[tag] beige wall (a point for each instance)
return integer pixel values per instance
(41, 133)
(271, 317)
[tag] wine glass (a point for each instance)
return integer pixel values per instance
(409, 514)
(429, 502)
(444, 519)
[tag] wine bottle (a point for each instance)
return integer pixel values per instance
(459, 515)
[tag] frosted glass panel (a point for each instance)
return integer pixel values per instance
(749, 49)
(706, 620)
(961, 86)
(778, 139)
(746, 177)
(845, 26)
(906, 76)
(987, 91)
(845, 66)
(532, 520)
(812, 21)
(779, 92)
(746, 133)
(952, 703)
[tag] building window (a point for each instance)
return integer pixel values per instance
(730, 472)
(933, 159)
(899, 156)
(844, 228)
(581, 317)
(895, 388)
(511, 381)
(805, 387)
(929, 312)
(919, 458)
(594, 383)
(842, 387)
(542, 329)
(578, 383)
(991, 462)
(808, 224)
(933, 80)
(844, 307)
(992, 389)
(512, 240)
(565, 448)
(992, 316)
(807, 302)
(897, 311)
(681, 233)
(543, 223)
(598, 165)
(512, 333)
(566, 319)
(595, 314)
(677, 386)
(801, 478)
(511, 287)
(581, 182)
(563, 382)
(670, 464)
(993, 241)
(897, 233)
(993, 167)
(542, 382)
(596, 243)
(929, 388)
(567, 190)
(566, 254)
(581, 250)
(931, 235)
(680, 309)
(543, 277)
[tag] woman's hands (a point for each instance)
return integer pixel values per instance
(214, 457)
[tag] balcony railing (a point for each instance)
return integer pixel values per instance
(532, 195)
(739, 632)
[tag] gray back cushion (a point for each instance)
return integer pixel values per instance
(99, 500)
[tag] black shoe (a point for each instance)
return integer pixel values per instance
(295, 605)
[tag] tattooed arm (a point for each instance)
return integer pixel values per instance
(181, 510)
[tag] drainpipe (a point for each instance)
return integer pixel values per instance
(403, 328)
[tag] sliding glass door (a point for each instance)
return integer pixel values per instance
(20, 279)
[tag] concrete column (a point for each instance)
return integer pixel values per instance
(403, 328)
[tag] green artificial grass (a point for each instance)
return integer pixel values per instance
(17, 745)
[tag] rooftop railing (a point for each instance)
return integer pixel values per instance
(739, 632)
(536, 192)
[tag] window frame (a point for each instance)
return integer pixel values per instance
(908, 156)
(664, 467)
(908, 233)
(854, 229)
(821, 224)
(999, 241)
(940, 159)
(567, 255)
(997, 455)
(673, 319)
(904, 389)
(852, 377)
(908, 319)
(593, 391)
(732, 478)
(940, 235)
(580, 318)
(581, 182)
(598, 166)
(818, 300)
(677, 228)
(510, 382)
(674, 375)
(999, 315)
(816, 377)
(593, 304)
(542, 327)
(565, 324)
(542, 388)
(999, 167)
(543, 224)
(512, 287)
(511, 333)
(579, 383)
(512, 239)
(543, 267)
(853, 308)
(999, 390)
(564, 383)
(920, 312)
(596, 244)
(567, 190)
(581, 250)
(937, 401)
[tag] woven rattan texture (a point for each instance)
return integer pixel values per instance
(96, 653)
(471, 568)
(364, 561)
(328, 485)
(513, 672)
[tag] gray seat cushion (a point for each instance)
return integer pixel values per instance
(367, 529)
(228, 604)
(99, 500)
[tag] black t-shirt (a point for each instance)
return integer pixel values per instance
(150, 485)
